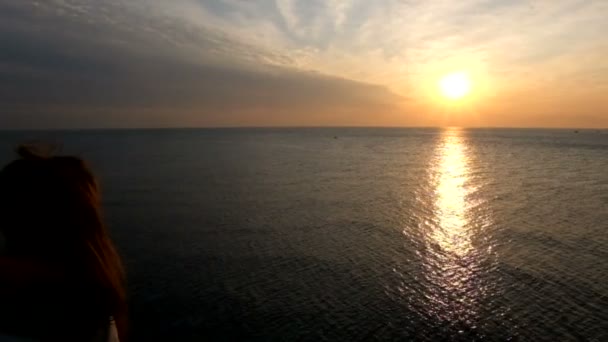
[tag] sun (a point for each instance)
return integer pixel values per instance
(455, 85)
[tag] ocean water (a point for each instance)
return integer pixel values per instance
(356, 234)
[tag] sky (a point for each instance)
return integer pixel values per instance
(195, 63)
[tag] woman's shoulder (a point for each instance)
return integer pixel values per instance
(38, 297)
(109, 334)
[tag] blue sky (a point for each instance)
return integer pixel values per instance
(68, 63)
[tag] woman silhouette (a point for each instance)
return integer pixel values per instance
(60, 275)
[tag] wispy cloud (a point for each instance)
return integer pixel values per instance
(391, 42)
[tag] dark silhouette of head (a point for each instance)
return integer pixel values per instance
(50, 212)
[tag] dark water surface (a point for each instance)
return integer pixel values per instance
(356, 234)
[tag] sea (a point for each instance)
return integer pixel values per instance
(355, 234)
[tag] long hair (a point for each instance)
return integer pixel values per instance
(50, 211)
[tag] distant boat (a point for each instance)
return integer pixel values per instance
(335, 137)
(576, 131)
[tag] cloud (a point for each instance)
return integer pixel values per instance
(310, 62)
(90, 64)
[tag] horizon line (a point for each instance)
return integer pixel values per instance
(31, 129)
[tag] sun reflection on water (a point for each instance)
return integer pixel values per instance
(453, 288)
(451, 172)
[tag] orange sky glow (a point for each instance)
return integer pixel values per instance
(193, 63)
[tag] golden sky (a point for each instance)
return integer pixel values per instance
(191, 63)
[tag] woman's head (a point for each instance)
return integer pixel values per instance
(49, 206)
(50, 210)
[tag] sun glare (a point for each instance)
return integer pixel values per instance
(455, 85)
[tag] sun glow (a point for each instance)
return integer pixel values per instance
(455, 85)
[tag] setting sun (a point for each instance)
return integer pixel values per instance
(455, 85)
